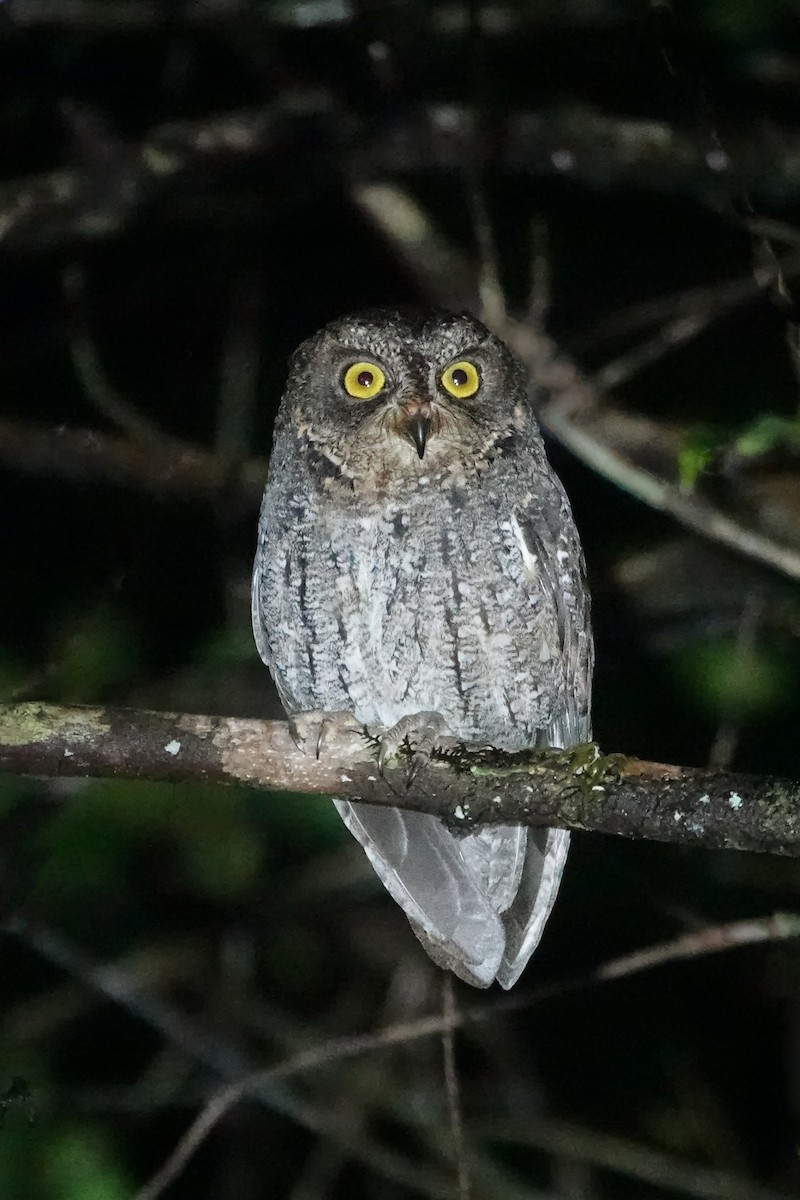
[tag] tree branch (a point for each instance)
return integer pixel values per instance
(623, 448)
(446, 19)
(576, 789)
(84, 203)
(171, 468)
(633, 451)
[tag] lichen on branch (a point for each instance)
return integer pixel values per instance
(580, 789)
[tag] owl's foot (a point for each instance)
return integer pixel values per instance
(424, 731)
(317, 730)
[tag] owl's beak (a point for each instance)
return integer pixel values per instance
(417, 420)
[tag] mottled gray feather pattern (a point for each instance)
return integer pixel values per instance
(388, 585)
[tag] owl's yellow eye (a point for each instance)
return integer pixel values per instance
(363, 380)
(461, 379)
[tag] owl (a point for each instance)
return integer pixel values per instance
(418, 571)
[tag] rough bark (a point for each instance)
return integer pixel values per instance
(577, 789)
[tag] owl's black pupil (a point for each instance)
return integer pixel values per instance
(365, 379)
(459, 377)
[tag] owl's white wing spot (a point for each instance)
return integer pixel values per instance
(530, 561)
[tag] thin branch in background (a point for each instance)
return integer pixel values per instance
(56, 949)
(340, 1049)
(639, 1164)
(72, 205)
(571, 1146)
(400, 1168)
(451, 1086)
(572, 414)
(715, 299)
(605, 1152)
(164, 964)
(446, 275)
(68, 206)
(168, 469)
(97, 387)
(781, 293)
(723, 749)
(740, 198)
(490, 288)
(439, 268)
(624, 368)
(201, 1046)
(236, 400)
(336, 1050)
(118, 986)
(540, 276)
(239, 369)
(711, 940)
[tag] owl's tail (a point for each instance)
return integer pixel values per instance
(478, 902)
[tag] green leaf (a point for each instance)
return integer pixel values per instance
(721, 679)
(80, 1165)
(769, 432)
(696, 456)
(96, 653)
(223, 860)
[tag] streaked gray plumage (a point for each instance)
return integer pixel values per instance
(417, 554)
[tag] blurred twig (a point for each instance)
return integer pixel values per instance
(446, 17)
(341, 1049)
(96, 386)
(594, 148)
(170, 468)
(618, 445)
(73, 204)
(726, 738)
(239, 367)
(641, 1163)
(126, 15)
(218, 1055)
(121, 987)
(598, 437)
(452, 1087)
(439, 268)
(711, 300)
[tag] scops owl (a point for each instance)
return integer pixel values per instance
(418, 568)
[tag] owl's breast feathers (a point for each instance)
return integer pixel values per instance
(457, 590)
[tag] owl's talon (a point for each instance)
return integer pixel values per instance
(424, 731)
(414, 766)
(320, 729)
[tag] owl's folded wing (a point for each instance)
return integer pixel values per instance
(551, 552)
(421, 865)
(526, 918)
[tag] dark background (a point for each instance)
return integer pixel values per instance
(254, 920)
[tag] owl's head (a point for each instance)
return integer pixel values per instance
(382, 390)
